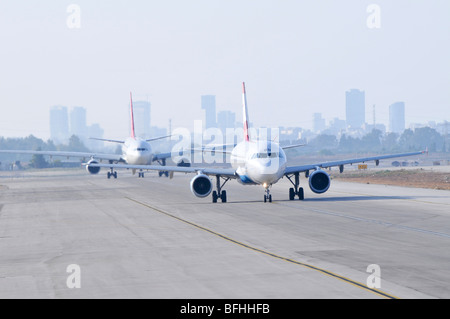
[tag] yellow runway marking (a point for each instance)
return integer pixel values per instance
(323, 271)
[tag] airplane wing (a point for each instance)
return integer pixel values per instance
(304, 168)
(157, 138)
(106, 140)
(99, 156)
(225, 172)
(161, 156)
(292, 146)
(212, 150)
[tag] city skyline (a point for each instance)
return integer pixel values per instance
(64, 124)
(223, 119)
(297, 59)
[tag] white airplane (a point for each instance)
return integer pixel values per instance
(259, 163)
(135, 151)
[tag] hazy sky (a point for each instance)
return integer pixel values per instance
(296, 57)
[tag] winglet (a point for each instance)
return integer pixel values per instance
(133, 135)
(245, 113)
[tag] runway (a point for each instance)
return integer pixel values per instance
(151, 238)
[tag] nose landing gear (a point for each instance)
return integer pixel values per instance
(267, 196)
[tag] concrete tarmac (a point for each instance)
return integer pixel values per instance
(152, 238)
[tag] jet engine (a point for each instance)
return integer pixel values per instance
(319, 181)
(90, 169)
(201, 185)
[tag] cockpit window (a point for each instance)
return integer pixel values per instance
(266, 155)
(140, 149)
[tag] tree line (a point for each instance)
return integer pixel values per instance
(33, 143)
(377, 142)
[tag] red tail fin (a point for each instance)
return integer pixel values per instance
(132, 117)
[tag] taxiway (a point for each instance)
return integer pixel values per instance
(151, 238)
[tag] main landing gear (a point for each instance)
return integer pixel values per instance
(112, 173)
(220, 193)
(162, 162)
(296, 191)
(165, 173)
(141, 174)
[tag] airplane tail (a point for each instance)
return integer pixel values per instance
(133, 135)
(245, 113)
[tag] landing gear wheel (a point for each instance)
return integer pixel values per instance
(219, 193)
(296, 191)
(291, 194)
(223, 196)
(301, 194)
(111, 174)
(268, 196)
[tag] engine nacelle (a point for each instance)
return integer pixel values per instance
(319, 181)
(92, 170)
(201, 186)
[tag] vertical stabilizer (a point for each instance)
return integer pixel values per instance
(245, 113)
(132, 117)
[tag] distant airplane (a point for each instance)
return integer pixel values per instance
(256, 162)
(135, 151)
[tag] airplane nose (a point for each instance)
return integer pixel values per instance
(265, 162)
(265, 170)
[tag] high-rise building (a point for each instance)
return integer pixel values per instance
(78, 124)
(318, 123)
(59, 124)
(141, 110)
(397, 117)
(209, 105)
(226, 119)
(355, 108)
(336, 126)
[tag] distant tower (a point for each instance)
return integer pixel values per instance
(397, 117)
(141, 110)
(226, 119)
(59, 124)
(355, 108)
(78, 124)
(209, 105)
(374, 119)
(318, 123)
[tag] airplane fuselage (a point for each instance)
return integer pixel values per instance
(258, 162)
(137, 151)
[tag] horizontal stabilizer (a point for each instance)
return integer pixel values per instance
(106, 140)
(292, 146)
